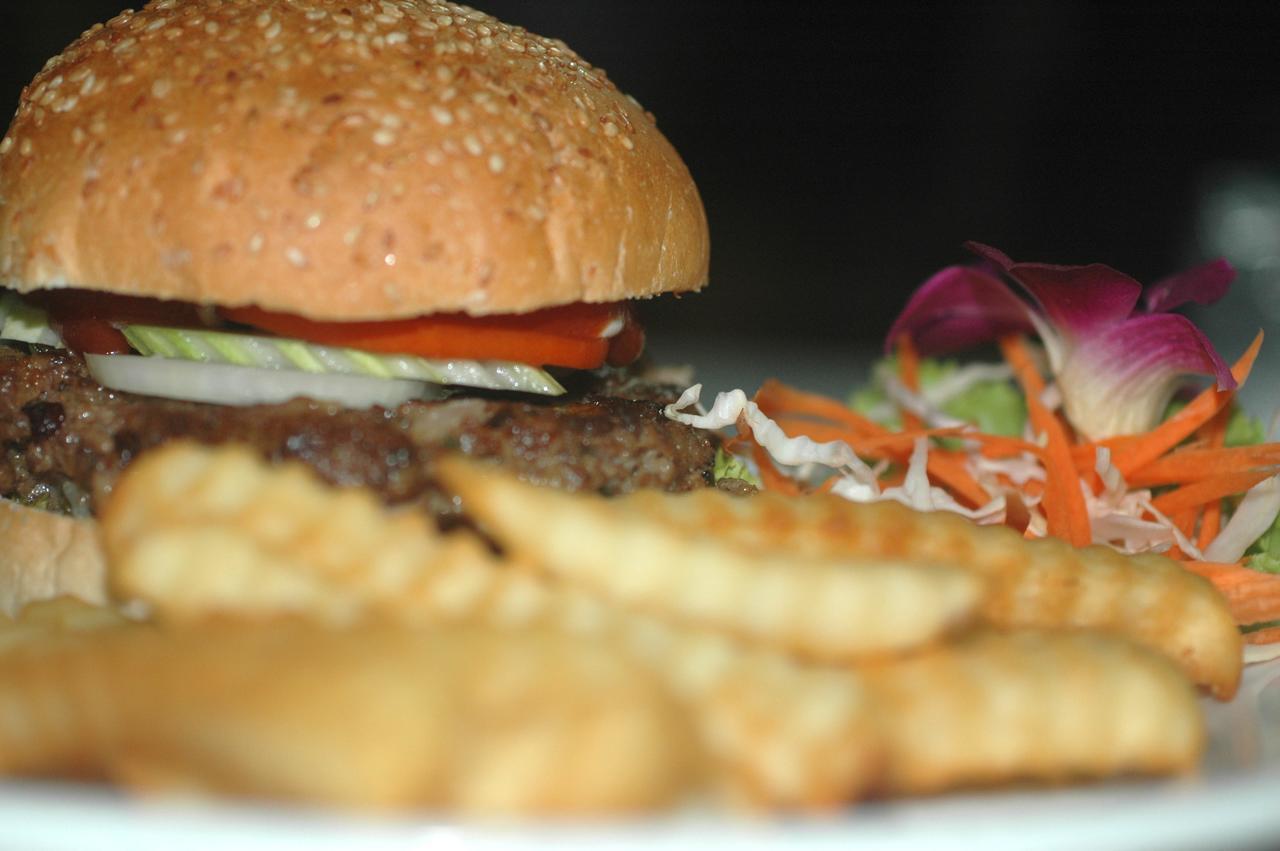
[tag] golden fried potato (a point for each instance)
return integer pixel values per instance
(228, 535)
(476, 721)
(996, 708)
(1041, 584)
(834, 609)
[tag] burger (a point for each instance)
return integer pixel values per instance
(355, 234)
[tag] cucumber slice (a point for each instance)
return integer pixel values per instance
(24, 323)
(251, 350)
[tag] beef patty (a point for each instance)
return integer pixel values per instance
(66, 438)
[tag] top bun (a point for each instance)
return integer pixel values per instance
(340, 159)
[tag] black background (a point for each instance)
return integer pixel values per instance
(844, 151)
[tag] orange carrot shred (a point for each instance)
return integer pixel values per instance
(1189, 465)
(1208, 490)
(1264, 636)
(1215, 433)
(909, 369)
(775, 396)
(1252, 596)
(1064, 504)
(1135, 452)
(777, 400)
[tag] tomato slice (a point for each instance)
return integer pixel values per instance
(581, 336)
(86, 320)
(569, 336)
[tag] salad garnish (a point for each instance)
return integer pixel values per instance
(1079, 436)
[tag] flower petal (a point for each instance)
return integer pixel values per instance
(1119, 381)
(1077, 299)
(957, 308)
(1203, 285)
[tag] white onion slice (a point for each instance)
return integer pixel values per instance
(224, 384)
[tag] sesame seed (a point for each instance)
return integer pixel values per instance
(316, 14)
(496, 163)
(396, 37)
(389, 260)
(441, 115)
(125, 45)
(87, 86)
(314, 220)
(352, 236)
(263, 20)
(25, 147)
(211, 28)
(384, 137)
(66, 104)
(161, 87)
(7, 145)
(610, 129)
(472, 144)
(296, 256)
(627, 143)
(256, 242)
(273, 30)
(77, 135)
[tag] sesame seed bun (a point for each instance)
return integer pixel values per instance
(340, 160)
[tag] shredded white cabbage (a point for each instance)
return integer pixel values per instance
(1120, 517)
(856, 480)
(1252, 518)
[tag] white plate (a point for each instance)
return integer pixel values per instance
(1235, 803)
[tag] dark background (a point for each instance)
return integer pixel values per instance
(844, 151)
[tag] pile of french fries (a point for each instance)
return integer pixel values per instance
(306, 643)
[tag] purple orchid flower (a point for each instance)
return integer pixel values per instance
(1116, 351)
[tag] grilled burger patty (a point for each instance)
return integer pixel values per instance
(66, 438)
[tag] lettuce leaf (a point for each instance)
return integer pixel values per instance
(994, 406)
(729, 466)
(1264, 555)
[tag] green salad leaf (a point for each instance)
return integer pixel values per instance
(995, 406)
(729, 466)
(1264, 554)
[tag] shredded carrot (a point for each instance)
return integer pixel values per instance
(1190, 465)
(1263, 636)
(777, 399)
(1215, 433)
(1211, 489)
(1253, 596)
(775, 396)
(894, 444)
(1064, 505)
(909, 369)
(1133, 453)
(1185, 520)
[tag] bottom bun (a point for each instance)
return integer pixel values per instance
(44, 555)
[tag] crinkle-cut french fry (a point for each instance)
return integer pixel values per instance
(201, 531)
(827, 608)
(1032, 706)
(247, 550)
(1043, 583)
(481, 721)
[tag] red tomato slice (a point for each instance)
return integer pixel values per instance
(560, 336)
